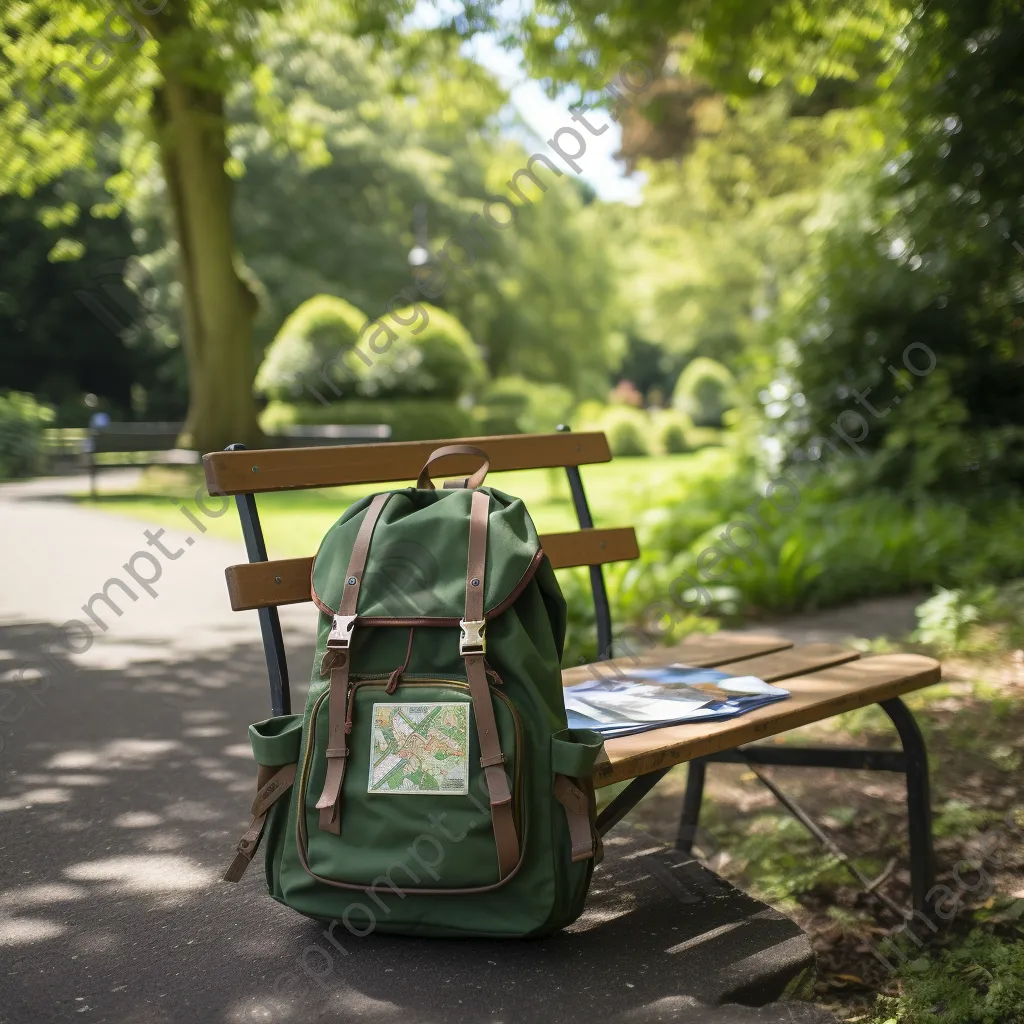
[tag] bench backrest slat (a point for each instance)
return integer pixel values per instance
(107, 441)
(286, 469)
(286, 580)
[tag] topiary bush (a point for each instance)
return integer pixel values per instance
(589, 414)
(628, 430)
(705, 391)
(672, 432)
(22, 422)
(410, 419)
(432, 357)
(514, 405)
(309, 347)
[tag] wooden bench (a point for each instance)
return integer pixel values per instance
(159, 442)
(824, 679)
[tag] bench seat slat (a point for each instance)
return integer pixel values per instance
(289, 469)
(772, 666)
(815, 697)
(701, 650)
(286, 580)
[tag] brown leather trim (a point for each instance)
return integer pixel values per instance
(337, 743)
(476, 480)
(337, 750)
(268, 793)
(491, 757)
(577, 804)
(441, 620)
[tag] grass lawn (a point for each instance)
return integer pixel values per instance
(620, 492)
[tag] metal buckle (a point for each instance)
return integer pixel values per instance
(473, 639)
(340, 635)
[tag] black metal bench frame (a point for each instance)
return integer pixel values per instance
(911, 760)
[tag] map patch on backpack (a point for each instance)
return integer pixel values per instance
(420, 749)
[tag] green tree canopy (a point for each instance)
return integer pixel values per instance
(162, 73)
(917, 290)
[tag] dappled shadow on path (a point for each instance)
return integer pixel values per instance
(124, 791)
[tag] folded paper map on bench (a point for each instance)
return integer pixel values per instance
(623, 702)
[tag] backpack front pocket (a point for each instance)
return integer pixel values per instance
(414, 811)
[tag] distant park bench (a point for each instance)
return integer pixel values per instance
(156, 444)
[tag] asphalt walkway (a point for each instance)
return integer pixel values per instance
(126, 776)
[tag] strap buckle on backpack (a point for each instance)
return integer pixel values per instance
(474, 638)
(340, 635)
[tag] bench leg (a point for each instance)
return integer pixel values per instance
(696, 771)
(628, 799)
(919, 807)
(913, 762)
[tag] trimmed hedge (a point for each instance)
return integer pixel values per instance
(309, 347)
(410, 419)
(672, 432)
(432, 357)
(628, 430)
(705, 392)
(514, 405)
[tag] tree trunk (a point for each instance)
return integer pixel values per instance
(219, 308)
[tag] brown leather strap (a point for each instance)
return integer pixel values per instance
(337, 747)
(577, 813)
(479, 511)
(279, 784)
(337, 737)
(474, 481)
(491, 760)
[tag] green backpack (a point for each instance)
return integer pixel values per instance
(432, 785)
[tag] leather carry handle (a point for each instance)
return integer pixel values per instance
(424, 482)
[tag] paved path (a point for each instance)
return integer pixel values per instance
(126, 774)
(890, 617)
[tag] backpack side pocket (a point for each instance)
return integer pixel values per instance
(573, 753)
(275, 747)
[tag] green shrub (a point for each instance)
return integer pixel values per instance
(410, 419)
(628, 430)
(432, 357)
(589, 414)
(828, 547)
(672, 432)
(307, 357)
(705, 391)
(22, 422)
(945, 620)
(513, 405)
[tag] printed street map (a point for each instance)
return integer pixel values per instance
(420, 748)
